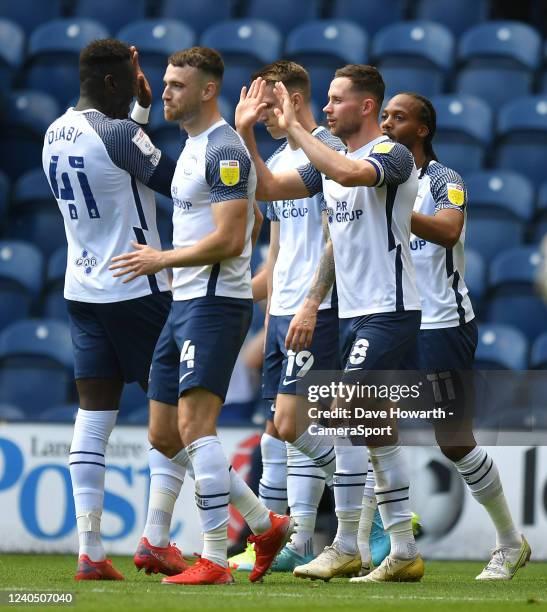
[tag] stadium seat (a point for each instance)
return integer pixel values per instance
(512, 298)
(371, 15)
(522, 137)
(53, 52)
(499, 59)
(29, 14)
(156, 39)
(423, 49)
(284, 14)
(28, 115)
(198, 15)
(35, 215)
(36, 364)
(538, 356)
(475, 278)
(113, 15)
(456, 16)
(246, 45)
(54, 304)
(11, 414)
(4, 197)
(137, 416)
(464, 130)
(21, 279)
(490, 236)
(322, 47)
(501, 347)
(65, 413)
(538, 226)
(132, 397)
(12, 41)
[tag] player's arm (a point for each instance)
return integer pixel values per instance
(257, 225)
(302, 326)
(225, 241)
(259, 284)
(445, 226)
(270, 186)
(141, 109)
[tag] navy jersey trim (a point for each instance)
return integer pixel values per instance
(399, 302)
(459, 297)
(391, 192)
(152, 281)
(138, 203)
(213, 279)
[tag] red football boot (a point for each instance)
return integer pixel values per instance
(96, 570)
(202, 572)
(154, 559)
(269, 543)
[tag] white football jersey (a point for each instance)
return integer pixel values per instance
(301, 240)
(98, 169)
(213, 167)
(440, 271)
(370, 231)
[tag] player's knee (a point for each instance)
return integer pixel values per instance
(166, 445)
(285, 427)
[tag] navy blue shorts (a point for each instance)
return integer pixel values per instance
(117, 340)
(198, 347)
(377, 341)
(282, 368)
(445, 358)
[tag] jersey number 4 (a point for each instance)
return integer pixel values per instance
(66, 192)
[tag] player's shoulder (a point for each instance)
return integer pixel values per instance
(114, 131)
(223, 139)
(388, 147)
(439, 174)
(333, 142)
(273, 157)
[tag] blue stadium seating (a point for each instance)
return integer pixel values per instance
(501, 347)
(53, 52)
(11, 414)
(198, 15)
(414, 56)
(490, 236)
(138, 416)
(113, 15)
(54, 303)
(371, 15)
(538, 356)
(284, 14)
(132, 398)
(538, 226)
(12, 42)
(522, 137)
(35, 364)
(475, 278)
(65, 413)
(156, 39)
(246, 45)
(499, 60)
(464, 130)
(35, 215)
(4, 196)
(21, 278)
(512, 296)
(28, 115)
(323, 46)
(456, 16)
(29, 13)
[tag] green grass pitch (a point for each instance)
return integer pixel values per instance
(447, 586)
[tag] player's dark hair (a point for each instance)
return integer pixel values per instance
(291, 74)
(428, 116)
(364, 78)
(205, 59)
(102, 57)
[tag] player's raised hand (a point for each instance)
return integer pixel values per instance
(250, 105)
(301, 329)
(144, 91)
(286, 117)
(143, 261)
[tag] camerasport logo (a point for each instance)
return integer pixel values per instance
(87, 261)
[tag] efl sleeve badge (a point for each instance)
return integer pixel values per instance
(229, 172)
(456, 194)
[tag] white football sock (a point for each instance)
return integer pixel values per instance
(349, 485)
(305, 485)
(392, 484)
(367, 516)
(255, 513)
(273, 484)
(320, 450)
(212, 481)
(166, 478)
(403, 545)
(92, 430)
(482, 477)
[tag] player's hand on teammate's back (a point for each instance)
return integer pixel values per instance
(142, 262)
(250, 105)
(301, 328)
(286, 116)
(144, 91)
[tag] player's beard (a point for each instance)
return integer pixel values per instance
(185, 113)
(346, 129)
